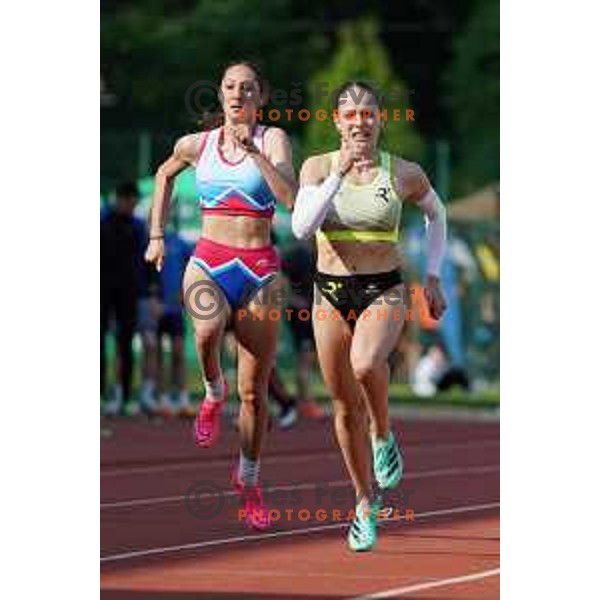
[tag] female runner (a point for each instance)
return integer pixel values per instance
(352, 199)
(242, 170)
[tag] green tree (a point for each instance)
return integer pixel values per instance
(359, 54)
(473, 84)
(153, 53)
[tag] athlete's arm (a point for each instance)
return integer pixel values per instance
(415, 188)
(275, 164)
(315, 197)
(184, 154)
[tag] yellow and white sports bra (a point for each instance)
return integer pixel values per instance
(368, 212)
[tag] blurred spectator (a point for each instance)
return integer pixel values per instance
(124, 279)
(171, 327)
(288, 404)
(148, 315)
(405, 356)
(434, 373)
(298, 266)
(430, 369)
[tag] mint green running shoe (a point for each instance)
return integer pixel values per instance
(362, 535)
(387, 462)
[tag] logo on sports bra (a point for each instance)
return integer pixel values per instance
(382, 194)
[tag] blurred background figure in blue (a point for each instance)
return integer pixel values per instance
(298, 267)
(125, 279)
(171, 384)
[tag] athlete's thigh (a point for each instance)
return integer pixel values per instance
(378, 329)
(333, 340)
(256, 327)
(204, 301)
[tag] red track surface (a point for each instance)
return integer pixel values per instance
(154, 546)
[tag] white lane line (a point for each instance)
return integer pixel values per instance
(221, 462)
(409, 589)
(482, 470)
(278, 534)
(227, 573)
(127, 471)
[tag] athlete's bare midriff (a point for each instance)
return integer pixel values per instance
(237, 231)
(348, 258)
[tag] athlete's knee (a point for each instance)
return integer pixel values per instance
(251, 394)
(347, 413)
(363, 366)
(206, 336)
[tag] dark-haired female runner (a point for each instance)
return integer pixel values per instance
(242, 170)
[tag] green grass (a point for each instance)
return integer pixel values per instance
(400, 394)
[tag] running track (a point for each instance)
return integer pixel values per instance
(154, 545)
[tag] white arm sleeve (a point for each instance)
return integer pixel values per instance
(435, 223)
(312, 204)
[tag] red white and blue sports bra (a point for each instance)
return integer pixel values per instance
(232, 188)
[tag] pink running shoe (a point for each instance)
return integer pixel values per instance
(208, 421)
(257, 514)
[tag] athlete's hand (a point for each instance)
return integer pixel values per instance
(435, 297)
(242, 134)
(347, 157)
(155, 253)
